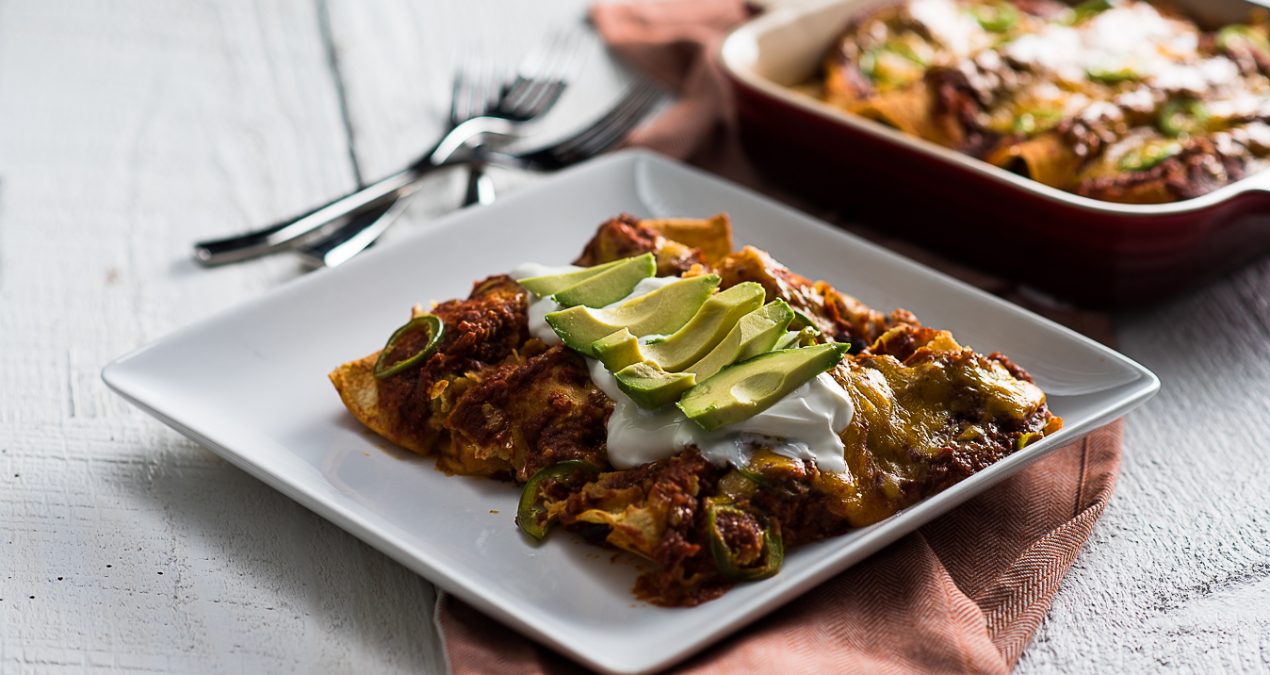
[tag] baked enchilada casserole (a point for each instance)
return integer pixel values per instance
(1121, 101)
(701, 407)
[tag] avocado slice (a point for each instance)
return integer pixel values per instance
(804, 337)
(618, 350)
(743, 390)
(787, 341)
(650, 386)
(755, 333)
(610, 285)
(661, 311)
(707, 328)
(547, 284)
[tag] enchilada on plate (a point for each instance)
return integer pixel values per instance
(700, 407)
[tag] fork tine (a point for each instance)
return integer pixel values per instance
(515, 91)
(542, 81)
(458, 96)
(465, 96)
(557, 73)
(528, 70)
(611, 128)
(542, 94)
(561, 58)
(476, 89)
(494, 92)
(481, 92)
(602, 134)
(469, 95)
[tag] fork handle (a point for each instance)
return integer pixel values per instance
(274, 237)
(317, 222)
(480, 187)
(351, 238)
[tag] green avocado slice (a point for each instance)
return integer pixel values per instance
(650, 386)
(618, 350)
(610, 285)
(805, 337)
(548, 284)
(707, 328)
(787, 341)
(755, 333)
(745, 389)
(664, 310)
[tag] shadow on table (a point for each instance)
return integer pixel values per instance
(272, 562)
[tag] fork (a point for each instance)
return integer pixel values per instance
(590, 141)
(473, 93)
(473, 100)
(540, 80)
(473, 96)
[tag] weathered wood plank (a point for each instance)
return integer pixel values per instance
(1177, 574)
(127, 130)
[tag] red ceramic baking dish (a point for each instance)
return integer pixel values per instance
(1094, 252)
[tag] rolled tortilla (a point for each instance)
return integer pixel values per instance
(1046, 158)
(912, 110)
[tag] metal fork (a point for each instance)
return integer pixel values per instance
(538, 85)
(601, 135)
(473, 95)
(480, 188)
(474, 92)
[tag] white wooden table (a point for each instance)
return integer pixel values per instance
(130, 128)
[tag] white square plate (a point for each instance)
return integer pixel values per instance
(251, 385)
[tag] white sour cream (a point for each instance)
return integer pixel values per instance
(803, 425)
(539, 309)
(949, 24)
(1136, 37)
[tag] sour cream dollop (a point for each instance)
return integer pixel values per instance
(804, 424)
(539, 309)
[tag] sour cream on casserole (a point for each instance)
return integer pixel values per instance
(804, 424)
